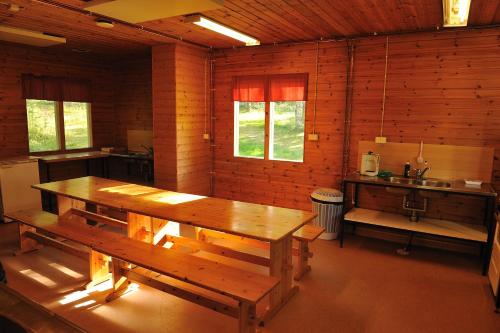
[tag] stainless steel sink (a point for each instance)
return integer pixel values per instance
(420, 182)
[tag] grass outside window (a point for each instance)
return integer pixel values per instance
(56, 126)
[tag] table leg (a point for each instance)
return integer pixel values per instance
(64, 204)
(120, 282)
(281, 266)
(140, 227)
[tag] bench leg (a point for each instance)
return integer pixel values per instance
(26, 244)
(140, 227)
(302, 260)
(99, 269)
(120, 282)
(247, 322)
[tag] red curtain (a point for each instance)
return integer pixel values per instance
(249, 88)
(77, 91)
(56, 88)
(288, 87)
(42, 87)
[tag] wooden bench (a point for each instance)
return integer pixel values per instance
(223, 288)
(304, 236)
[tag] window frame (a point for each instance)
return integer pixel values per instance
(60, 129)
(269, 116)
(236, 131)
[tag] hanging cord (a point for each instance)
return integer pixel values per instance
(316, 88)
(205, 95)
(385, 86)
(348, 107)
(211, 62)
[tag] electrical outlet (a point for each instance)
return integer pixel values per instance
(313, 137)
(206, 136)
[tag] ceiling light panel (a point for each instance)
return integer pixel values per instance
(29, 37)
(134, 11)
(455, 13)
(222, 29)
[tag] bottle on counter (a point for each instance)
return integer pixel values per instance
(406, 171)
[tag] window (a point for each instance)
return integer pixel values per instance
(286, 131)
(274, 104)
(58, 112)
(76, 125)
(42, 125)
(56, 126)
(249, 131)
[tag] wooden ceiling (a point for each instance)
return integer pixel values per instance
(268, 20)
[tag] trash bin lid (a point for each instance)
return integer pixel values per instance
(327, 195)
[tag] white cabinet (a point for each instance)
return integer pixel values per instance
(16, 177)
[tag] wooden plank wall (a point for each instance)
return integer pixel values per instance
(273, 182)
(15, 60)
(164, 116)
(132, 96)
(443, 88)
(182, 157)
(193, 152)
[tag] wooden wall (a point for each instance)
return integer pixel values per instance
(278, 183)
(182, 157)
(443, 88)
(164, 116)
(132, 96)
(15, 60)
(193, 152)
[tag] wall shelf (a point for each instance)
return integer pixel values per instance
(467, 231)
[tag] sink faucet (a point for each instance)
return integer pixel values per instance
(419, 174)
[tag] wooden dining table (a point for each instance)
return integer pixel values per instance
(273, 225)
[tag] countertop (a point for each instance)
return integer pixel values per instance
(88, 155)
(457, 186)
(73, 156)
(17, 160)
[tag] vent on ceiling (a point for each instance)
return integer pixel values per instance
(28, 37)
(134, 11)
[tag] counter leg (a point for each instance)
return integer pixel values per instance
(490, 226)
(342, 220)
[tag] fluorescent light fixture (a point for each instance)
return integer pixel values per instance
(29, 37)
(103, 23)
(222, 29)
(455, 13)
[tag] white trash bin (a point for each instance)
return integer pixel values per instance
(328, 204)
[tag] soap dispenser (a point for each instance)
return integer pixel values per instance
(406, 171)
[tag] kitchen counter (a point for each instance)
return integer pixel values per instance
(457, 186)
(471, 232)
(73, 156)
(133, 155)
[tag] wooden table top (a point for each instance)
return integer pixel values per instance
(266, 223)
